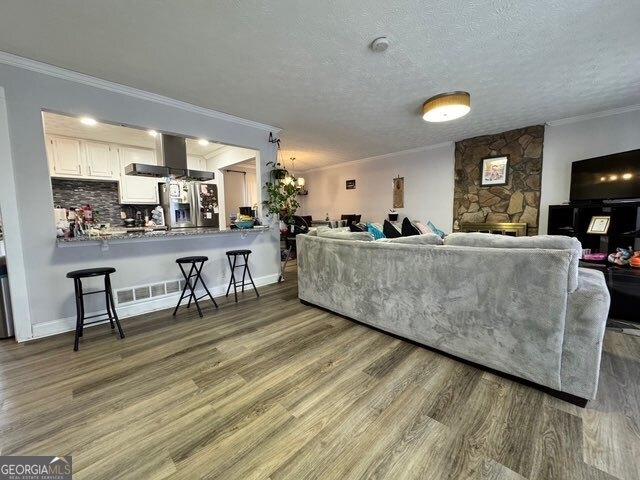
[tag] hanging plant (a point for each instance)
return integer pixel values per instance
(281, 194)
(278, 172)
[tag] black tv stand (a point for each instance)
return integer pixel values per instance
(573, 220)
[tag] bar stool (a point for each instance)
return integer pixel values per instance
(232, 265)
(195, 271)
(77, 276)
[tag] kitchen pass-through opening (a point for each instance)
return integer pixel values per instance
(109, 178)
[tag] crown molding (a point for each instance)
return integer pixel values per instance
(379, 157)
(589, 116)
(217, 151)
(63, 73)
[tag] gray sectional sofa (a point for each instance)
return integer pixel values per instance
(520, 306)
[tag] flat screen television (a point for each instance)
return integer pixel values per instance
(612, 177)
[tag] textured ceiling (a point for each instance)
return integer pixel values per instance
(304, 65)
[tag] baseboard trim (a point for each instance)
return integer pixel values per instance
(567, 397)
(68, 324)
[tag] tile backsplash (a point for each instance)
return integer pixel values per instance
(102, 196)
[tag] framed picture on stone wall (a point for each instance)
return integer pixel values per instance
(494, 171)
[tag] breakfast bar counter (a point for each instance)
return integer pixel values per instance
(123, 236)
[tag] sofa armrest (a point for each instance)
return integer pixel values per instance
(587, 311)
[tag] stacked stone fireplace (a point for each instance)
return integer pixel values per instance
(519, 199)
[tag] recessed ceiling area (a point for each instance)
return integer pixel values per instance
(307, 66)
(69, 126)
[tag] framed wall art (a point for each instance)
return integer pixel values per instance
(494, 171)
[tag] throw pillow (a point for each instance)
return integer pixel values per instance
(423, 228)
(357, 227)
(408, 228)
(375, 231)
(390, 230)
(435, 229)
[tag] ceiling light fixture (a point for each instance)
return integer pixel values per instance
(88, 121)
(627, 176)
(203, 142)
(446, 106)
(153, 133)
(299, 181)
(613, 178)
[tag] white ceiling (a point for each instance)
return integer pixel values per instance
(304, 65)
(67, 126)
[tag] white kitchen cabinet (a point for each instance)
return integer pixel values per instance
(101, 161)
(82, 159)
(65, 157)
(194, 162)
(137, 190)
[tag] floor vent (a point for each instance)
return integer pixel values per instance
(158, 290)
(144, 293)
(173, 287)
(125, 296)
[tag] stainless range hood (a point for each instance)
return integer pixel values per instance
(171, 157)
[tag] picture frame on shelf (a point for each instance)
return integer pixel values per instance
(599, 224)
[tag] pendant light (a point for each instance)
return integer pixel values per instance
(446, 106)
(299, 180)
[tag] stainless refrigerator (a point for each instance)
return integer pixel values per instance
(206, 204)
(190, 204)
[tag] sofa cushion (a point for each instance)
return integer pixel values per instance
(345, 234)
(422, 239)
(408, 228)
(552, 242)
(390, 230)
(357, 227)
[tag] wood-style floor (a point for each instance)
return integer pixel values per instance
(272, 389)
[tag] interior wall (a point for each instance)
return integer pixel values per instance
(428, 183)
(578, 140)
(31, 226)
(234, 192)
(429, 173)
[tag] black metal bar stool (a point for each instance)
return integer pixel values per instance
(112, 316)
(232, 265)
(195, 271)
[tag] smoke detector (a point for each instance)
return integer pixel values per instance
(380, 44)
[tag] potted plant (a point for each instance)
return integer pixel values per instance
(282, 195)
(278, 172)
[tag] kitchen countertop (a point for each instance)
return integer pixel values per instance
(122, 236)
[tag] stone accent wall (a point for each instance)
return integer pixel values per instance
(519, 200)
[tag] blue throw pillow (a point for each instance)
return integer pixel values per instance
(435, 229)
(376, 232)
